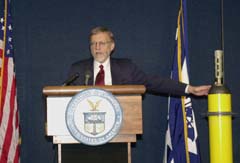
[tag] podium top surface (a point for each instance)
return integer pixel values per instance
(72, 90)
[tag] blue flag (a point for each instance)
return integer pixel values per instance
(181, 136)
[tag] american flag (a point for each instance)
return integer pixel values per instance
(9, 118)
(181, 136)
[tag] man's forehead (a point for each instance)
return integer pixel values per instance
(101, 35)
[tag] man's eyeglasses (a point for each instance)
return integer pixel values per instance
(101, 43)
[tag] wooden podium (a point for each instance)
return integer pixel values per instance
(129, 97)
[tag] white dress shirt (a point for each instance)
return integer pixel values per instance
(107, 71)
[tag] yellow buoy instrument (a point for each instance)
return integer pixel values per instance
(220, 116)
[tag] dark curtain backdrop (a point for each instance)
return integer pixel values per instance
(51, 34)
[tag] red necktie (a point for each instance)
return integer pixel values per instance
(100, 76)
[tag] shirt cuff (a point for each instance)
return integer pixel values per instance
(186, 89)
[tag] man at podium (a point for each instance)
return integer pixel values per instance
(102, 69)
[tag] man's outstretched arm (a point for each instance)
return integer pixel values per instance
(199, 90)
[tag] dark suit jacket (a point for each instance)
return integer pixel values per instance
(123, 71)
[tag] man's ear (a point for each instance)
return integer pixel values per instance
(112, 46)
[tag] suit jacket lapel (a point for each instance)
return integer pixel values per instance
(89, 67)
(115, 69)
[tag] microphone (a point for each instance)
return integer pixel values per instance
(88, 75)
(70, 79)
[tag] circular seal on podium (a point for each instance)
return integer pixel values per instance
(93, 116)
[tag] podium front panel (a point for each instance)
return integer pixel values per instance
(131, 125)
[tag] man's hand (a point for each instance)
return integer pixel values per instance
(199, 90)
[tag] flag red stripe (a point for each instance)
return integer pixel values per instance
(16, 116)
(17, 155)
(9, 131)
